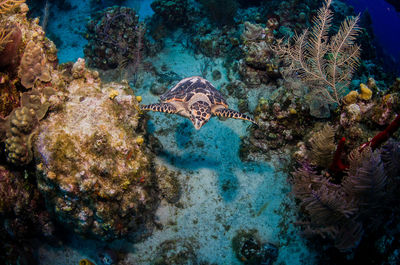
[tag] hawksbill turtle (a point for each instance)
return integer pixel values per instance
(197, 99)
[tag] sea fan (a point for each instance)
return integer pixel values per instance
(305, 179)
(323, 147)
(367, 185)
(390, 154)
(349, 235)
(328, 206)
(356, 159)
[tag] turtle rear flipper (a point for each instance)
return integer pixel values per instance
(160, 107)
(230, 113)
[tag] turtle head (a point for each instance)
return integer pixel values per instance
(200, 113)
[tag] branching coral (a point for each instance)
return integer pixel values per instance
(367, 184)
(7, 5)
(391, 158)
(326, 63)
(10, 41)
(4, 38)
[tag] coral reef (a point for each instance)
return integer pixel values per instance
(90, 150)
(21, 112)
(212, 43)
(22, 217)
(282, 120)
(27, 58)
(259, 65)
(173, 13)
(10, 41)
(7, 5)
(93, 168)
(115, 39)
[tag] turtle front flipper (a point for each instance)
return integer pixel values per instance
(230, 113)
(160, 107)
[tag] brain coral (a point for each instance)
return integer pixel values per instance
(93, 167)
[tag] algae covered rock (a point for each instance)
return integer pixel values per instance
(251, 251)
(168, 184)
(93, 167)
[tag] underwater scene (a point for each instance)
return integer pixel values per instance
(199, 132)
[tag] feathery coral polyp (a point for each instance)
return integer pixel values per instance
(325, 63)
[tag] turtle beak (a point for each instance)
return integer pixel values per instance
(197, 124)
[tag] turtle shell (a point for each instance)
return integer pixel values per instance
(186, 88)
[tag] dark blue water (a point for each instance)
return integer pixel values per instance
(385, 23)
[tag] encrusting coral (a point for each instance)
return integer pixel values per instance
(33, 65)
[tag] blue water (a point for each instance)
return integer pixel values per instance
(385, 23)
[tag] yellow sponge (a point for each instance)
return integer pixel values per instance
(366, 93)
(351, 98)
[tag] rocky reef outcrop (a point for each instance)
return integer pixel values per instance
(93, 167)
